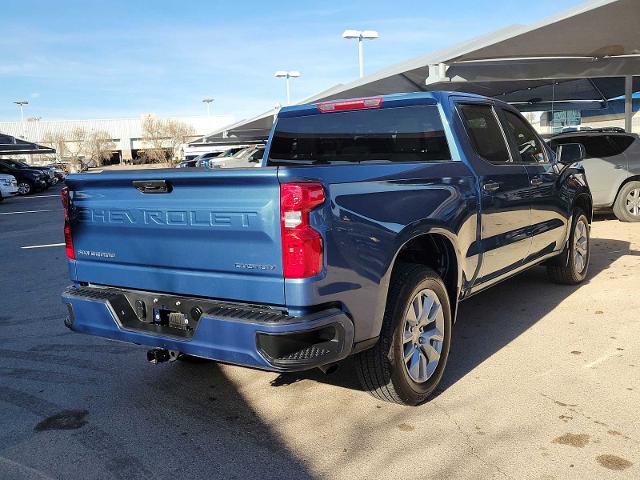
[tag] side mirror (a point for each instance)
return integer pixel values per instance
(570, 153)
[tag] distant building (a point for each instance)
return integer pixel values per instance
(126, 133)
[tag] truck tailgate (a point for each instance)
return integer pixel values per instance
(214, 233)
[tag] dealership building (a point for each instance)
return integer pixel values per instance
(126, 133)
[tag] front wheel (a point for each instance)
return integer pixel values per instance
(570, 268)
(25, 188)
(627, 206)
(407, 363)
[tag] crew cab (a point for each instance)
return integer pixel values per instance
(369, 221)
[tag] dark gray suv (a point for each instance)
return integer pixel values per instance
(612, 164)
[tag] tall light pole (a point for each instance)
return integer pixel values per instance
(22, 103)
(360, 35)
(287, 74)
(208, 101)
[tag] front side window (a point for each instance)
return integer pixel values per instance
(398, 134)
(485, 133)
(529, 145)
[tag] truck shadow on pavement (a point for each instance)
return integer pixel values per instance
(490, 320)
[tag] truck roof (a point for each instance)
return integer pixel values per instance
(389, 100)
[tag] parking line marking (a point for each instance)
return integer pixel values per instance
(603, 358)
(43, 246)
(38, 196)
(25, 211)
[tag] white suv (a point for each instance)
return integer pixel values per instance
(612, 165)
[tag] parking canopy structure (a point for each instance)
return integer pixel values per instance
(580, 58)
(14, 146)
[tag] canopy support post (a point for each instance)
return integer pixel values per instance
(628, 104)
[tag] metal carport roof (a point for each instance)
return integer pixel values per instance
(580, 57)
(14, 146)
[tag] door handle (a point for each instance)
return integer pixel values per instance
(536, 181)
(491, 187)
(152, 186)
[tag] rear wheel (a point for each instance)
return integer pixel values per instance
(571, 267)
(627, 206)
(25, 187)
(407, 363)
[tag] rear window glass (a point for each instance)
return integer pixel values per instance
(400, 134)
(622, 142)
(598, 146)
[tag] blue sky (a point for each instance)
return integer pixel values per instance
(102, 59)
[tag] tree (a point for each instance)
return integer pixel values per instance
(99, 146)
(58, 143)
(153, 139)
(162, 137)
(178, 133)
(91, 148)
(77, 138)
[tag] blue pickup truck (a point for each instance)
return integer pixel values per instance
(371, 219)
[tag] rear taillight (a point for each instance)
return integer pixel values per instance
(301, 243)
(352, 104)
(68, 241)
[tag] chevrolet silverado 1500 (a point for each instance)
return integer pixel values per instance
(369, 221)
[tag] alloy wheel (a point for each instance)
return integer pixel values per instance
(580, 245)
(24, 188)
(423, 335)
(633, 202)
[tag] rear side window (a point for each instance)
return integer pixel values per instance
(598, 146)
(399, 134)
(486, 135)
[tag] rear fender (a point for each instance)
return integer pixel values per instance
(410, 234)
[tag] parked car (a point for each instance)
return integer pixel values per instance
(8, 186)
(249, 157)
(220, 158)
(58, 172)
(612, 164)
(47, 172)
(202, 160)
(29, 179)
(373, 218)
(187, 164)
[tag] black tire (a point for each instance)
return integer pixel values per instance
(381, 369)
(621, 205)
(25, 187)
(564, 270)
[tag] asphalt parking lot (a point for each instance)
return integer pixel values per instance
(543, 382)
